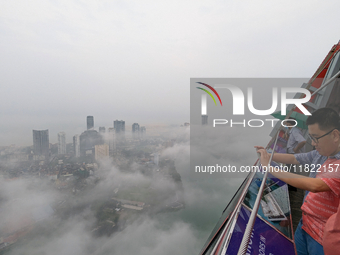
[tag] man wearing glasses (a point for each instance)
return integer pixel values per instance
(323, 182)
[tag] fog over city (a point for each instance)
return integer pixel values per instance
(132, 60)
(125, 191)
(154, 232)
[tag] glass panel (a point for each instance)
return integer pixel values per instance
(264, 239)
(208, 246)
(275, 207)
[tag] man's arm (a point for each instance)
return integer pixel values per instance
(282, 157)
(306, 183)
(311, 184)
(299, 147)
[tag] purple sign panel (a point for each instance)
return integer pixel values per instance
(274, 207)
(264, 239)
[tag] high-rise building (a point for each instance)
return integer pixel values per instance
(76, 146)
(135, 131)
(41, 144)
(142, 132)
(119, 126)
(62, 143)
(88, 139)
(112, 141)
(90, 122)
(102, 130)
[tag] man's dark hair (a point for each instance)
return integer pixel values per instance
(291, 121)
(327, 118)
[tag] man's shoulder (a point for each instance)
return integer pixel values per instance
(337, 156)
(309, 157)
(311, 154)
(314, 153)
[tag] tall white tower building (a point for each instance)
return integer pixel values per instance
(76, 146)
(62, 143)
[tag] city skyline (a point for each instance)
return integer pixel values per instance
(132, 61)
(54, 135)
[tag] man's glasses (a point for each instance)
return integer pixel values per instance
(316, 139)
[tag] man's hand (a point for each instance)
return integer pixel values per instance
(265, 156)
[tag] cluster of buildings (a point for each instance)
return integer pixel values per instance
(90, 143)
(137, 131)
(69, 176)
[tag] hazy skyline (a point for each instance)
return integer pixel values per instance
(180, 232)
(132, 60)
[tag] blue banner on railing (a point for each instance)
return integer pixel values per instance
(264, 238)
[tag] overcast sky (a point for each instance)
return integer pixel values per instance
(132, 60)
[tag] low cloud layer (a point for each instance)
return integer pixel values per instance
(179, 232)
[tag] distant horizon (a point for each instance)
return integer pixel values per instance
(128, 128)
